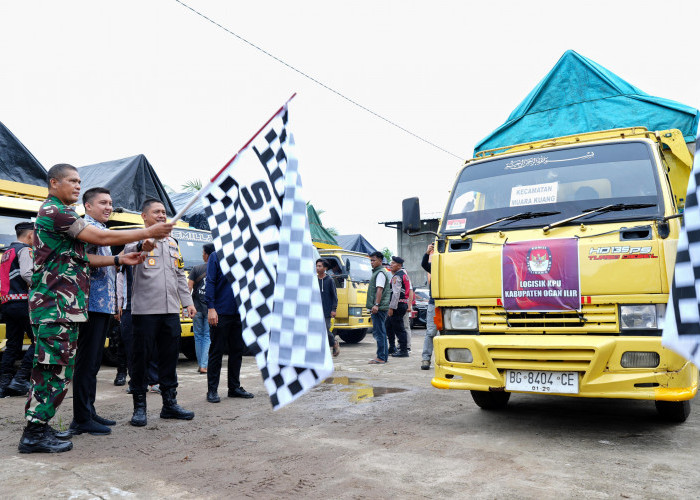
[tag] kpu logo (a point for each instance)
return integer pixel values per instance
(539, 260)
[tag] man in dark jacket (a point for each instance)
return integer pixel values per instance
(329, 299)
(225, 328)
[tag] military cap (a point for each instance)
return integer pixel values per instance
(24, 226)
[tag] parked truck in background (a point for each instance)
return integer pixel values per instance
(351, 272)
(552, 270)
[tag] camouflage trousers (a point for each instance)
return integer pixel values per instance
(54, 359)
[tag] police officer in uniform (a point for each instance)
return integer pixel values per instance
(159, 288)
(15, 311)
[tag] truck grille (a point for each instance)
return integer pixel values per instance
(541, 359)
(596, 319)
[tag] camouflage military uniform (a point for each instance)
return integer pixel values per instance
(57, 303)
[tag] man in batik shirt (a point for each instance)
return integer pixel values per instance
(91, 339)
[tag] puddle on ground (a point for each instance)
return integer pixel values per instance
(360, 390)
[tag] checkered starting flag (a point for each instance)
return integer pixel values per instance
(260, 231)
(682, 322)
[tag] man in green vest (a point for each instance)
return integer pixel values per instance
(378, 303)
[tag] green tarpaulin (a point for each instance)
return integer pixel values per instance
(319, 234)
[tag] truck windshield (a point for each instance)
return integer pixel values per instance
(191, 243)
(7, 229)
(566, 180)
(359, 268)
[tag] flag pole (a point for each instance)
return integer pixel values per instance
(203, 191)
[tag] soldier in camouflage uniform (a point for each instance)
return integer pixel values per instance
(57, 300)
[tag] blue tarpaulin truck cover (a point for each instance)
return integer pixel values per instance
(578, 96)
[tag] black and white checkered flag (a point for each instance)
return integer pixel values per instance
(682, 321)
(299, 351)
(251, 207)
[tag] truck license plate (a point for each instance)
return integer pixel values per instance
(542, 381)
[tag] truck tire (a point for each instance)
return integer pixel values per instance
(490, 400)
(352, 336)
(187, 348)
(673, 411)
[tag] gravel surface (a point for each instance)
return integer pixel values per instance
(371, 431)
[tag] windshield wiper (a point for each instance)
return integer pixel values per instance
(512, 218)
(618, 207)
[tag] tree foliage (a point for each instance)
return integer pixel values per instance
(387, 253)
(192, 185)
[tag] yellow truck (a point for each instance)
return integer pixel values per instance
(552, 270)
(20, 202)
(351, 272)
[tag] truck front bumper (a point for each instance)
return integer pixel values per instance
(596, 359)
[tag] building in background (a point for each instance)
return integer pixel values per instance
(412, 248)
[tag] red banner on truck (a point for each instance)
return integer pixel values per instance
(541, 276)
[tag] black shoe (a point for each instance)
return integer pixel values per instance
(18, 387)
(173, 410)
(91, 427)
(392, 350)
(120, 379)
(213, 397)
(139, 418)
(400, 354)
(239, 392)
(103, 421)
(36, 438)
(425, 364)
(60, 435)
(129, 390)
(4, 382)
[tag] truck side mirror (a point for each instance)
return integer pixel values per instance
(410, 218)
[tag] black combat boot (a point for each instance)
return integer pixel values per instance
(37, 438)
(139, 417)
(5, 380)
(20, 384)
(120, 379)
(173, 410)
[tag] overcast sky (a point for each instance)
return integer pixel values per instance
(90, 81)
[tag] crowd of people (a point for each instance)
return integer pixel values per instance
(389, 299)
(60, 285)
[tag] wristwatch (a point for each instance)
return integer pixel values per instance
(376, 304)
(116, 261)
(139, 246)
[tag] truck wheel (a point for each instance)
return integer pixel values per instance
(352, 336)
(110, 355)
(673, 411)
(187, 348)
(490, 400)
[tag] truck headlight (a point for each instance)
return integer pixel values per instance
(640, 359)
(463, 319)
(354, 311)
(459, 355)
(640, 316)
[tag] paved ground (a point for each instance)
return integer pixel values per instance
(370, 432)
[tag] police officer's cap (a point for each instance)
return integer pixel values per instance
(397, 259)
(24, 226)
